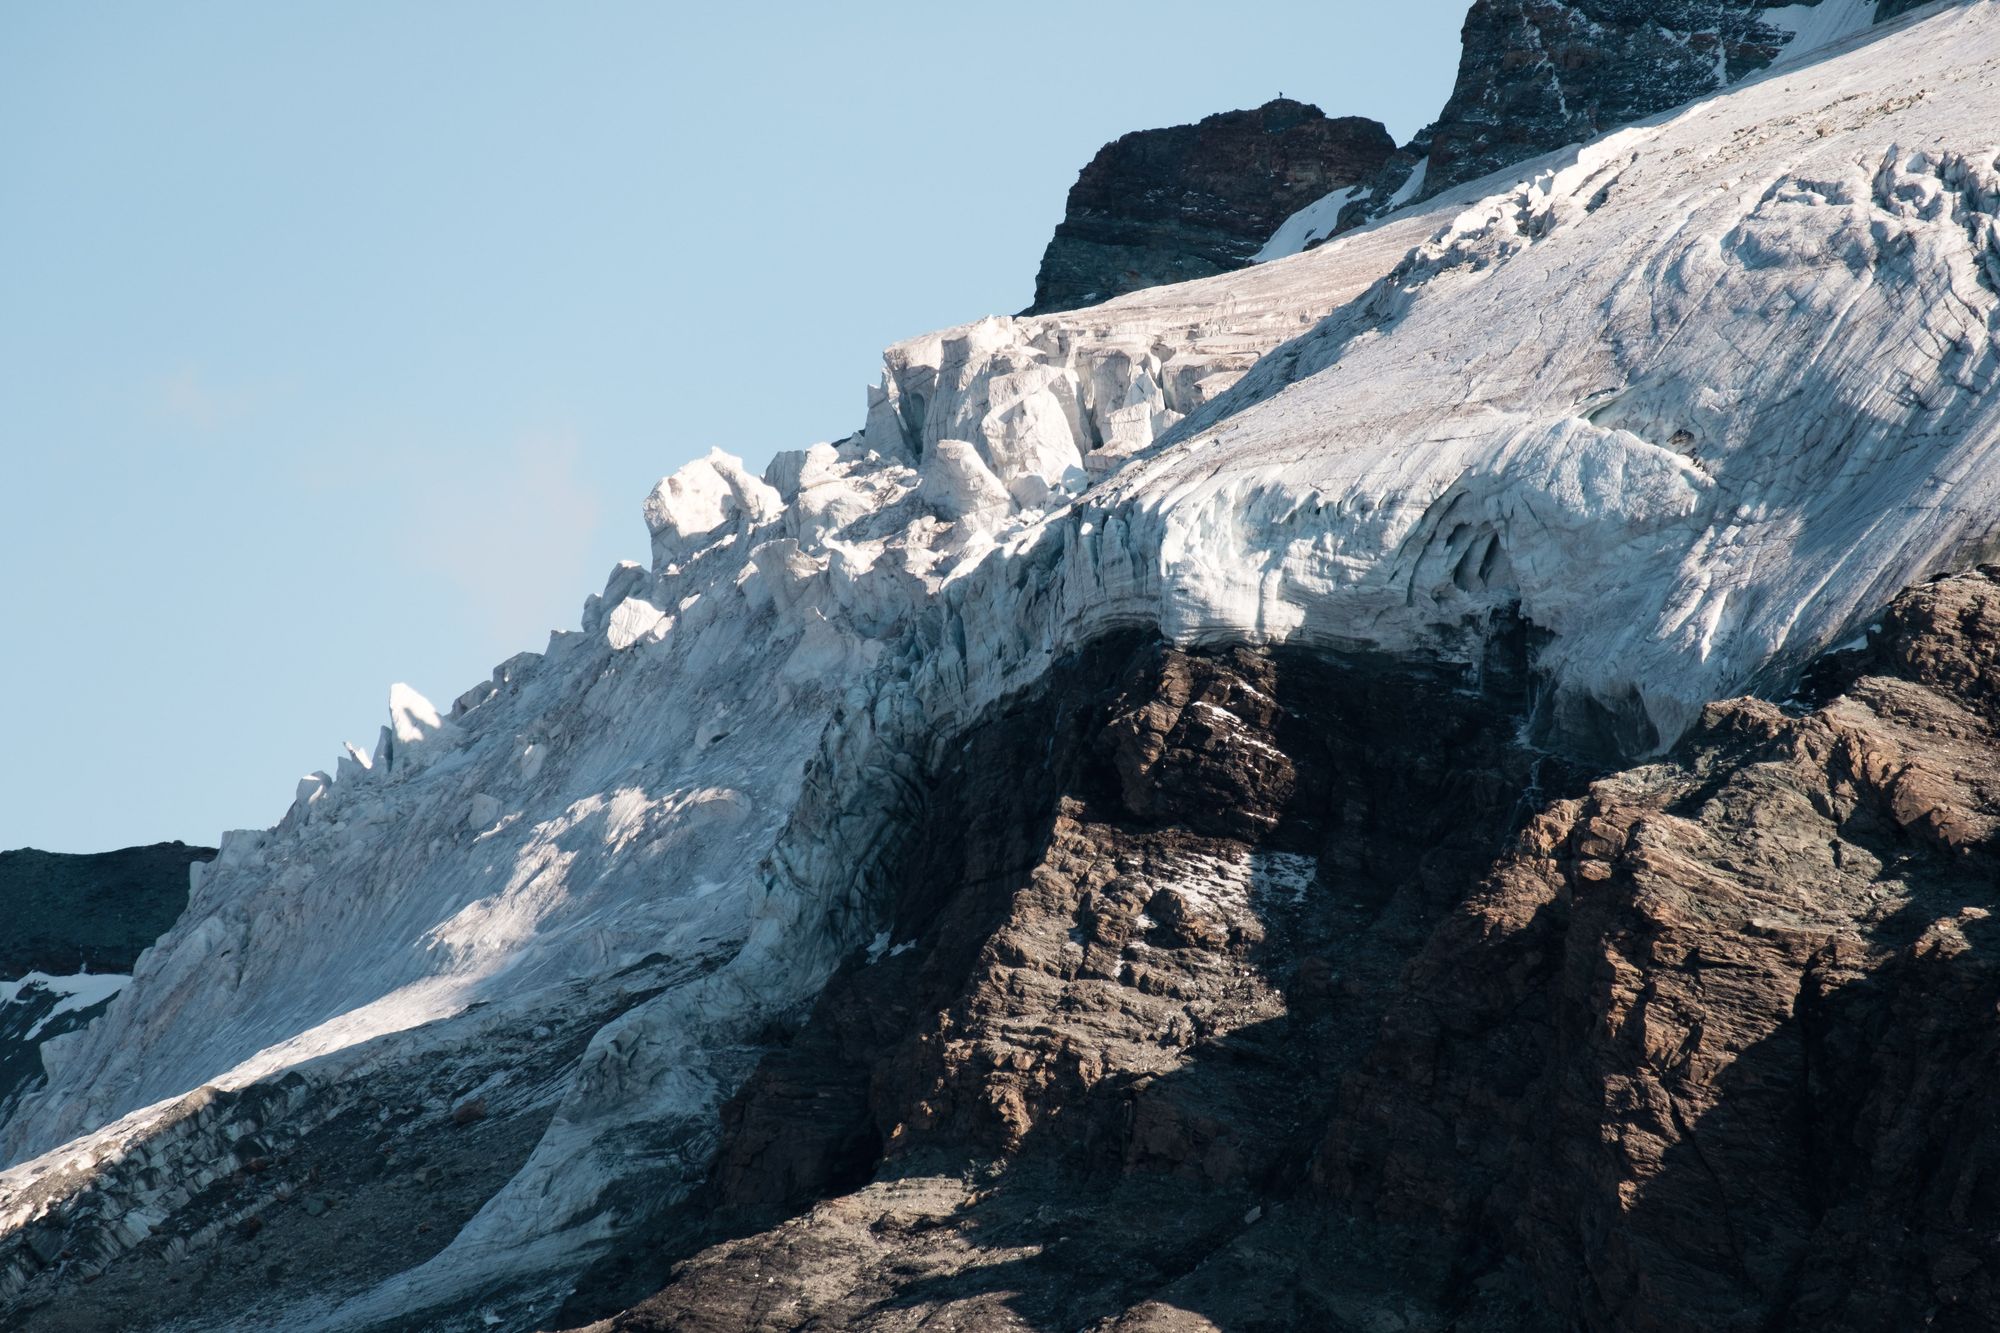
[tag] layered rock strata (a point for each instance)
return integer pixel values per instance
(1257, 1012)
(1168, 205)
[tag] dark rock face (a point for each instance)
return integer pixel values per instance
(1170, 205)
(1535, 75)
(1089, 1074)
(1261, 1008)
(62, 914)
(71, 913)
(1713, 1046)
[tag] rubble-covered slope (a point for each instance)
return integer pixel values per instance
(1655, 423)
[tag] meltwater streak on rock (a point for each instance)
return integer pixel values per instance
(1693, 401)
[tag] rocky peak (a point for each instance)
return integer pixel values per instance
(1537, 74)
(1162, 206)
(1189, 201)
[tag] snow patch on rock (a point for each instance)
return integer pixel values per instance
(1315, 222)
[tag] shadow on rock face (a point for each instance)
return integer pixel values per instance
(1087, 1073)
(1712, 1045)
(1258, 1011)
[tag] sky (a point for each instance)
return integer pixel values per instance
(341, 342)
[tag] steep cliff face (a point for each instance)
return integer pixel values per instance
(1168, 205)
(1243, 1019)
(1110, 1005)
(1538, 74)
(1712, 1046)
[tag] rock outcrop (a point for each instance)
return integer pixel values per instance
(1164, 206)
(74, 925)
(90, 913)
(1113, 1001)
(1711, 1046)
(1538, 74)
(1168, 205)
(1547, 464)
(1235, 1020)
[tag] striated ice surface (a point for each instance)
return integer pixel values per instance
(1811, 27)
(1693, 400)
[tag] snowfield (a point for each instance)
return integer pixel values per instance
(1694, 401)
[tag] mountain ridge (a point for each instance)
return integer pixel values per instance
(538, 960)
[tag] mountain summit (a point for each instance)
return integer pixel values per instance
(1161, 206)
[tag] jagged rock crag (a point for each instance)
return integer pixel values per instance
(1712, 1047)
(1190, 201)
(1235, 1020)
(1163, 206)
(1537, 74)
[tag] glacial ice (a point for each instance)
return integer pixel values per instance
(1694, 400)
(1811, 27)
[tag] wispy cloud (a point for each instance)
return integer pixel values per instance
(191, 400)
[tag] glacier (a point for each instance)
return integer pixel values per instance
(1691, 402)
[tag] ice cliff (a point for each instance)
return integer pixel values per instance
(1686, 405)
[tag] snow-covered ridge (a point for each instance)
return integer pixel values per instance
(1695, 400)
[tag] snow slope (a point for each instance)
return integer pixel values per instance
(1811, 27)
(1297, 232)
(1694, 400)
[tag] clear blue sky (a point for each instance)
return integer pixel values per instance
(340, 342)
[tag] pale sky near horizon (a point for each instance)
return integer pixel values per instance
(339, 343)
